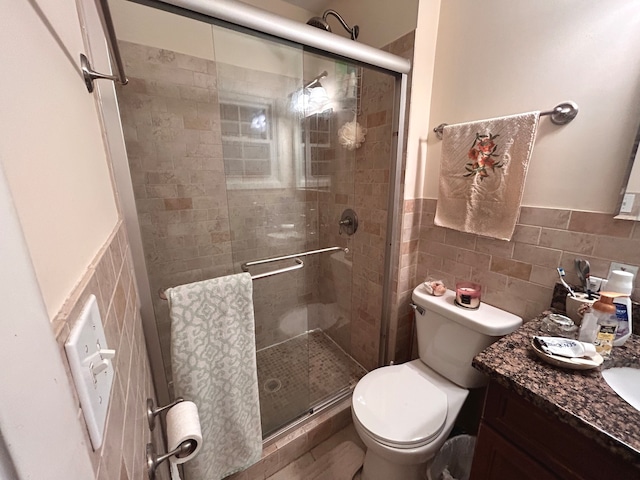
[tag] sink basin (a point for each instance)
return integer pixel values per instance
(625, 381)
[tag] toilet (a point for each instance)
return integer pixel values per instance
(404, 413)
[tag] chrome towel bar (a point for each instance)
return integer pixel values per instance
(299, 264)
(245, 266)
(88, 73)
(294, 256)
(560, 115)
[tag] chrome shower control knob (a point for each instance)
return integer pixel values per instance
(348, 222)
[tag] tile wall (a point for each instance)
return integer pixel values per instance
(517, 275)
(399, 331)
(195, 225)
(172, 125)
(170, 112)
(110, 278)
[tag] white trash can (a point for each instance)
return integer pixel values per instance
(453, 461)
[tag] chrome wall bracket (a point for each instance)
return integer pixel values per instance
(153, 460)
(88, 73)
(152, 411)
(563, 113)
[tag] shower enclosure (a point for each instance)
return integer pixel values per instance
(251, 148)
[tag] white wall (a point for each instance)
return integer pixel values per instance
(39, 430)
(419, 121)
(499, 57)
(52, 148)
(380, 21)
(284, 9)
(156, 28)
(149, 26)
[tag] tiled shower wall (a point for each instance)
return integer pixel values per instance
(192, 223)
(195, 226)
(363, 184)
(518, 275)
(110, 279)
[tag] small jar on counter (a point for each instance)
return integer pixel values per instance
(557, 325)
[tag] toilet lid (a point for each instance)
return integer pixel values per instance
(400, 407)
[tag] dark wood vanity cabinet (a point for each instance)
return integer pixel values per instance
(519, 441)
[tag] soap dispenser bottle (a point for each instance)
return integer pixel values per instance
(602, 310)
(607, 325)
(621, 282)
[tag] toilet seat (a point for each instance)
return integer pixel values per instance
(399, 407)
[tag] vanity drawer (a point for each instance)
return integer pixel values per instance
(556, 445)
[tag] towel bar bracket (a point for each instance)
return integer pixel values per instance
(563, 113)
(89, 74)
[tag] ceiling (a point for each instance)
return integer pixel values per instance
(311, 5)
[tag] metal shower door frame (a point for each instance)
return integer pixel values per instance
(243, 17)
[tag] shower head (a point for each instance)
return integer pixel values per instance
(315, 81)
(318, 22)
(322, 23)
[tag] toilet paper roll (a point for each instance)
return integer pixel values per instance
(577, 305)
(175, 473)
(183, 423)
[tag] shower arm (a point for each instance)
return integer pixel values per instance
(353, 31)
(315, 80)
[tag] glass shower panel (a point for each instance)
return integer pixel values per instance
(328, 169)
(268, 211)
(243, 148)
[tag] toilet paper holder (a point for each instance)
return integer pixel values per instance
(152, 411)
(153, 460)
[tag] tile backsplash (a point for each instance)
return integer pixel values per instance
(110, 278)
(517, 275)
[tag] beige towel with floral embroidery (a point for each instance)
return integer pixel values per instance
(482, 173)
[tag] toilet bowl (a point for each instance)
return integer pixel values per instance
(404, 413)
(404, 431)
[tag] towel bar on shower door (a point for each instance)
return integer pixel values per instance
(299, 264)
(294, 256)
(245, 266)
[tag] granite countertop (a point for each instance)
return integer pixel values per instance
(580, 398)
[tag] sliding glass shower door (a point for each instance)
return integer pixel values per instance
(280, 109)
(244, 149)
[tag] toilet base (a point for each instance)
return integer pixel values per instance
(377, 468)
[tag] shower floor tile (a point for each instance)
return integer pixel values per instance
(299, 373)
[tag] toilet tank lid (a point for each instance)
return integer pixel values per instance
(487, 319)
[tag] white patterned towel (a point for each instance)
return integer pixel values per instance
(482, 173)
(213, 356)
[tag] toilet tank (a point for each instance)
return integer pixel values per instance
(450, 336)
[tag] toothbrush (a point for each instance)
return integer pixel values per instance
(566, 285)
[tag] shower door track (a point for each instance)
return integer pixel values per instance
(321, 406)
(258, 20)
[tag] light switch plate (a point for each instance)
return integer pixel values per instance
(627, 203)
(91, 368)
